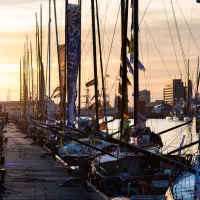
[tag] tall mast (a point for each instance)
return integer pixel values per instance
(41, 32)
(49, 53)
(101, 64)
(32, 78)
(56, 27)
(65, 76)
(41, 69)
(124, 7)
(36, 35)
(79, 80)
(136, 55)
(95, 64)
(27, 77)
(188, 86)
(20, 87)
(197, 81)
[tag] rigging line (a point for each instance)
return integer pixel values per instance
(86, 39)
(175, 138)
(188, 27)
(147, 51)
(190, 34)
(87, 53)
(91, 28)
(158, 50)
(144, 13)
(112, 40)
(141, 50)
(54, 49)
(113, 85)
(171, 38)
(88, 35)
(104, 28)
(179, 37)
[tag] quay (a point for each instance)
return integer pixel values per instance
(29, 176)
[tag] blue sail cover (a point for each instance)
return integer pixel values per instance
(73, 55)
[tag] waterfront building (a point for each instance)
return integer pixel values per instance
(145, 95)
(175, 90)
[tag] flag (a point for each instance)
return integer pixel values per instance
(131, 44)
(140, 65)
(90, 83)
(131, 70)
(127, 42)
(128, 82)
(126, 116)
(102, 126)
(62, 66)
(73, 55)
(57, 95)
(127, 62)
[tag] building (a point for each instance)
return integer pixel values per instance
(145, 95)
(175, 90)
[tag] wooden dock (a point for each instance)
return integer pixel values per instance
(30, 177)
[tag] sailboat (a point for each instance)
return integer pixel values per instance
(131, 174)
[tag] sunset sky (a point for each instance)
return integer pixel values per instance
(17, 19)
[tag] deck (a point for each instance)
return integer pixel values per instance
(30, 177)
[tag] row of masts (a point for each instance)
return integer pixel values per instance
(38, 99)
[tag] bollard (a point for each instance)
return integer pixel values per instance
(82, 172)
(3, 172)
(2, 160)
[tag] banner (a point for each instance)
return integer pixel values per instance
(73, 55)
(62, 68)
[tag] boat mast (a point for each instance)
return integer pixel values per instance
(56, 27)
(65, 67)
(32, 78)
(36, 39)
(188, 86)
(101, 64)
(79, 80)
(136, 54)
(197, 82)
(124, 21)
(95, 64)
(20, 88)
(49, 63)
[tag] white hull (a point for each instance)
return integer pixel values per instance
(186, 119)
(169, 118)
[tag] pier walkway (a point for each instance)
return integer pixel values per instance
(30, 177)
